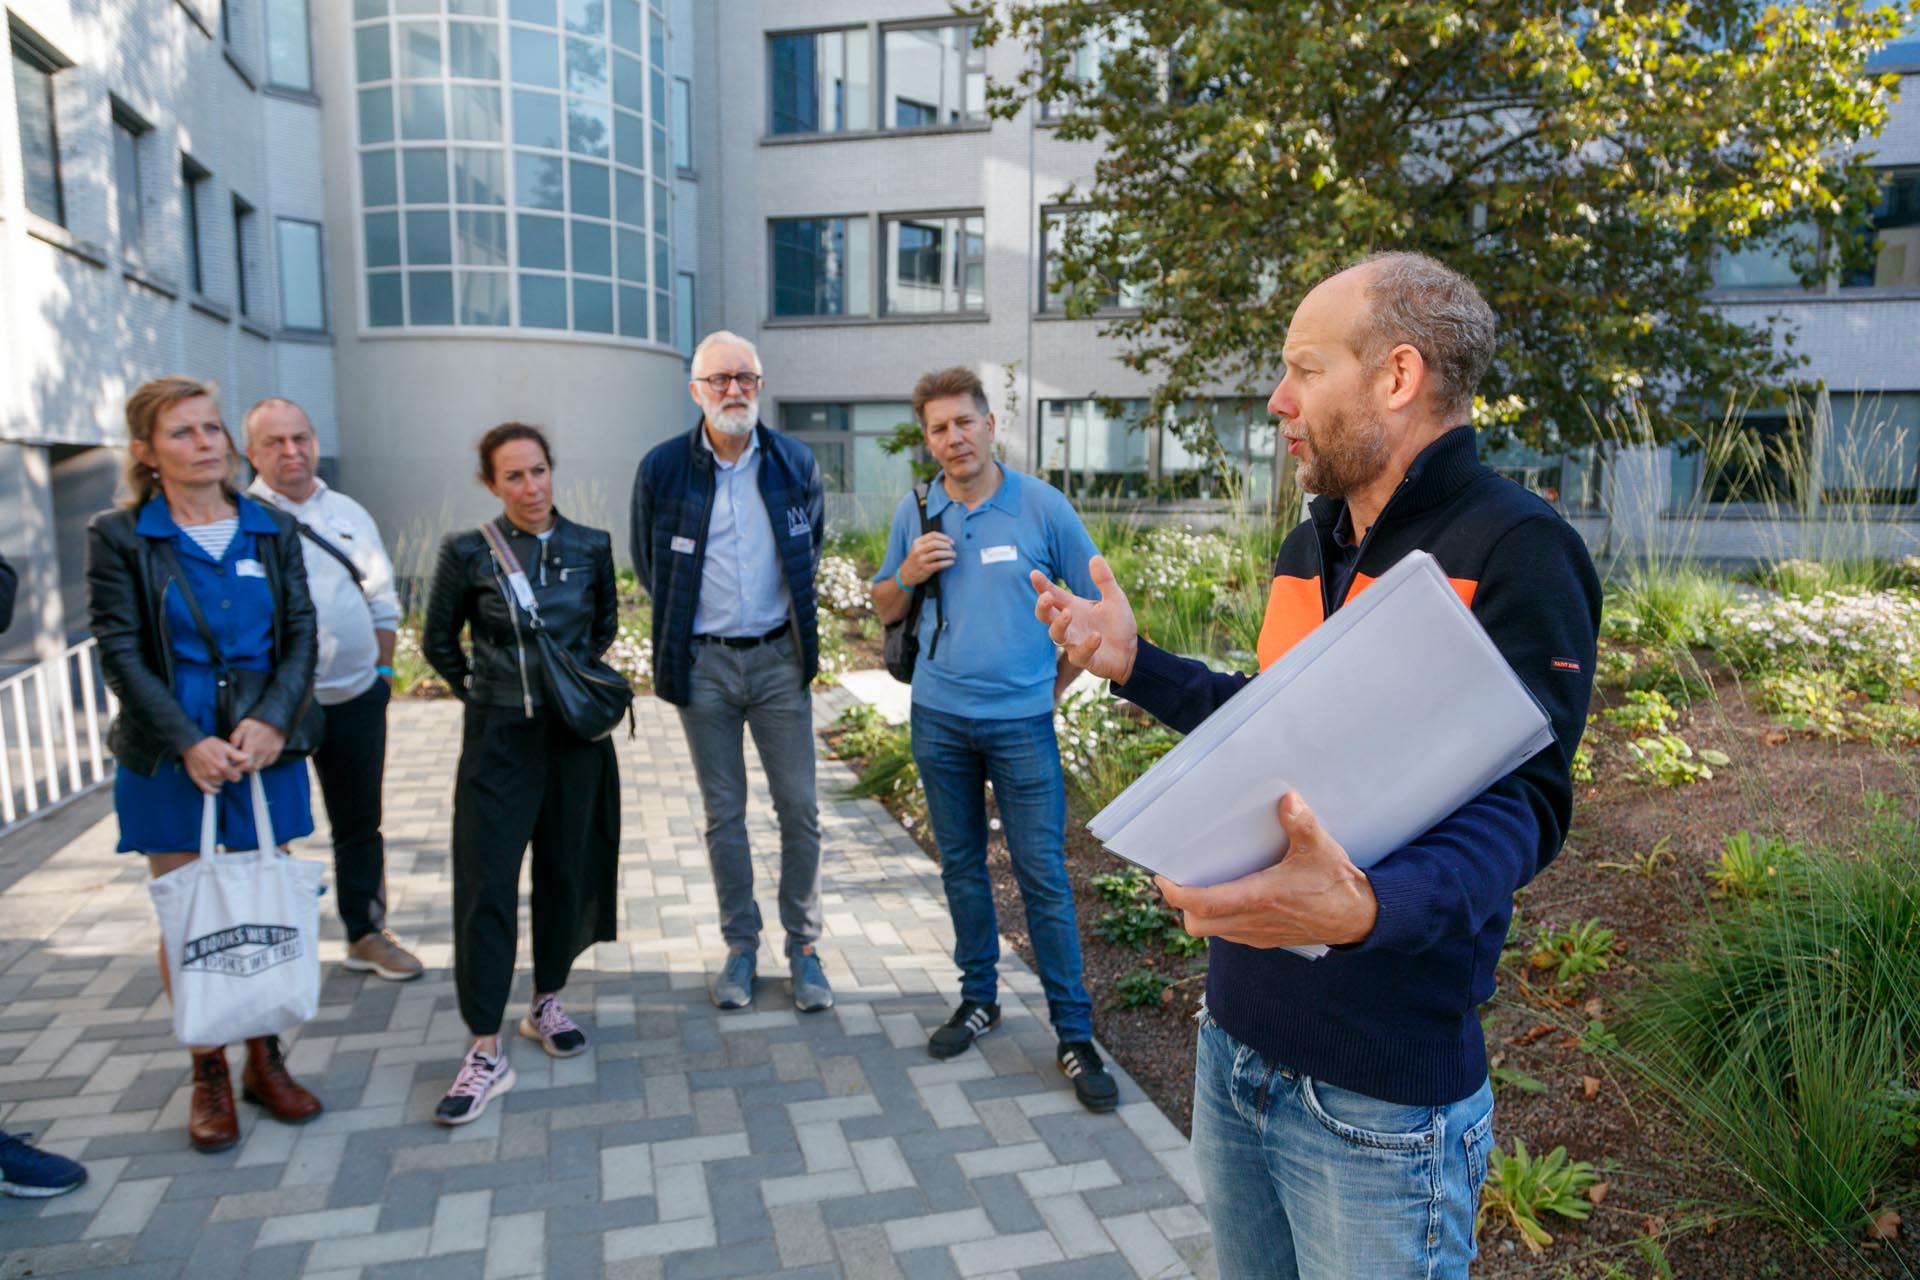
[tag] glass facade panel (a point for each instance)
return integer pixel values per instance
(425, 169)
(372, 54)
(536, 58)
(302, 290)
(934, 77)
(1895, 224)
(483, 298)
(820, 82)
(473, 50)
(633, 312)
(543, 242)
(820, 266)
(630, 198)
(429, 238)
(587, 187)
(587, 68)
(682, 123)
(376, 116)
(536, 120)
(592, 248)
(543, 302)
(537, 181)
(126, 184)
(587, 17)
(386, 307)
(423, 112)
(629, 83)
(378, 185)
(476, 113)
(429, 297)
(1763, 264)
(633, 256)
(683, 320)
(482, 239)
(935, 264)
(479, 177)
(626, 25)
(589, 128)
(593, 306)
(383, 239)
(849, 442)
(289, 44)
(420, 50)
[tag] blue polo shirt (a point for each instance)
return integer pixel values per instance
(995, 660)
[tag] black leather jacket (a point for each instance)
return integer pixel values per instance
(126, 587)
(572, 580)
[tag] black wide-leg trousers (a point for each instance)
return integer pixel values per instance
(528, 781)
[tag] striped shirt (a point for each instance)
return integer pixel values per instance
(214, 537)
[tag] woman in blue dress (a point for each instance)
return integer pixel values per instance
(186, 526)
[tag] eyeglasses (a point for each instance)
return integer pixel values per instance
(749, 382)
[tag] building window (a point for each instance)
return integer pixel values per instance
(821, 266)
(1871, 449)
(129, 140)
(1056, 293)
(820, 81)
(302, 291)
(935, 263)
(848, 440)
(1895, 231)
(243, 256)
(1902, 53)
(34, 68)
(1765, 263)
(682, 123)
(683, 316)
(289, 45)
(508, 152)
(194, 186)
(933, 77)
(1087, 452)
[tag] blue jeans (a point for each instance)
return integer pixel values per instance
(957, 757)
(1305, 1181)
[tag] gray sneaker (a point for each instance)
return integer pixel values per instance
(811, 994)
(733, 989)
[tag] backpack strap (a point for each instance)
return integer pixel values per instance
(931, 587)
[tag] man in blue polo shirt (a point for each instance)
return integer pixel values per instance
(984, 690)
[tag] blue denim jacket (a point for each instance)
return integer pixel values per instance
(672, 505)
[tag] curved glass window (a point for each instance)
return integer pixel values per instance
(513, 165)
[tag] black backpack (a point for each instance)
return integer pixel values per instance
(901, 644)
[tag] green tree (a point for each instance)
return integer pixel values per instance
(1580, 164)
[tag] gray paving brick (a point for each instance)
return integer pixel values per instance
(1008, 1204)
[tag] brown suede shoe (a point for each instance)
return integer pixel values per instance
(382, 954)
(265, 1083)
(213, 1126)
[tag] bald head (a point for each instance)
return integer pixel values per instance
(1396, 299)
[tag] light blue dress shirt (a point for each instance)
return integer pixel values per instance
(741, 590)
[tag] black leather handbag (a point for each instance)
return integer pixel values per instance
(900, 640)
(237, 690)
(590, 697)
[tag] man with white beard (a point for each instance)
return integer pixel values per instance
(727, 520)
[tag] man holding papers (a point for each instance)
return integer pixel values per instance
(984, 688)
(1342, 1113)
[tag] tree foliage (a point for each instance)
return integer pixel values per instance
(1580, 164)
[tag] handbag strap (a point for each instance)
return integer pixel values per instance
(507, 564)
(262, 819)
(312, 535)
(163, 549)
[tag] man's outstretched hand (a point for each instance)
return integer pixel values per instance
(1313, 895)
(1098, 635)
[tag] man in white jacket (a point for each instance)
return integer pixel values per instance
(351, 581)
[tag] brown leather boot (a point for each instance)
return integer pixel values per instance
(265, 1083)
(213, 1126)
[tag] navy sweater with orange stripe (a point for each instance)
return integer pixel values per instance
(1394, 1016)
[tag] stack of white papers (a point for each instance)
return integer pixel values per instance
(1386, 718)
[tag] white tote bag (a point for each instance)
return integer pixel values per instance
(241, 931)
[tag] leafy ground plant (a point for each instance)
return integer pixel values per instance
(1749, 864)
(1667, 761)
(1568, 955)
(1139, 989)
(1524, 1188)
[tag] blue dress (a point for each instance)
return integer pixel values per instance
(161, 814)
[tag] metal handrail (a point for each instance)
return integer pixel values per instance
(54, 711)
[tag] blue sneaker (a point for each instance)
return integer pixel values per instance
(30, 1173)
(811, 994)
(733, 989)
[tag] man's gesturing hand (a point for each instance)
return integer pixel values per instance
(1313, 895)
(1099, 635)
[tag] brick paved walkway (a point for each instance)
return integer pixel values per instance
(687, 1143)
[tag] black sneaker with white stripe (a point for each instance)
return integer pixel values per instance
(968, 1023)
(1079, 1063)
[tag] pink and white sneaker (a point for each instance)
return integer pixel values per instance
(479, 1080)
(549, 1024)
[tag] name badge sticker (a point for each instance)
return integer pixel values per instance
(998, 555)
(683, 545)
(522, 589)
(249, 569)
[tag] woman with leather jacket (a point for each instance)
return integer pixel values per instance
(524, 776)
(185, 530)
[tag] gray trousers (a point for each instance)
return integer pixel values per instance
(760, 689)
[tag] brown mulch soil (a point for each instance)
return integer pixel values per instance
(1658, 1184)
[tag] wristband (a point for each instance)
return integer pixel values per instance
(384, 671)
(900, 582)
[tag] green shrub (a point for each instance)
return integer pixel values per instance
(1806, 701)
(1123, 888)
(1792, 1014)
(1646, 711)
(1667, 761)
(1747, 866)
(1135, 925)
(1105, 745)
(1670, 602)
(1525, 1188)
(1140, 989)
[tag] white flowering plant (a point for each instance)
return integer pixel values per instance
(1104, 745)
(1871, 639)
(842, 588)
